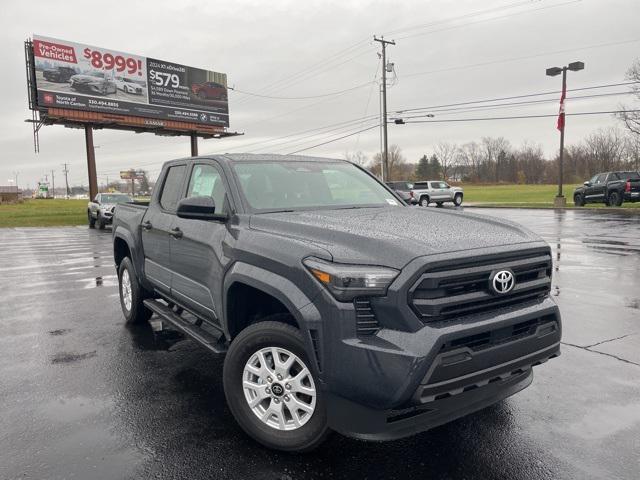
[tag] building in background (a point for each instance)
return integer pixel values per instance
(10, 194)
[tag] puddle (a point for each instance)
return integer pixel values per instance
(70, 357)
(59, 332)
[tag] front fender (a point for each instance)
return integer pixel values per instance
(297, 302)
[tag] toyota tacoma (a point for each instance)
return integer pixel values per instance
(337, 306)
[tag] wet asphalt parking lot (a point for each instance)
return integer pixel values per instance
(83, 396)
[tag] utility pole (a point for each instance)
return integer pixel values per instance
(385, 153)
(53, 184)
(66, 177)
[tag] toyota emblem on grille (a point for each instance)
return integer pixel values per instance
(503, 281)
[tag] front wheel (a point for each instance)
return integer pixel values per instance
(457, 199)
(578, 200)
(92, 221)
(101, 222)
(424, 202)
(131, 294)
(271, 388)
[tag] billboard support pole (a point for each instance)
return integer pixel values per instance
(91, 162)
(194, 145)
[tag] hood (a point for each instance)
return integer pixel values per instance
(392, 236)
(107, 206)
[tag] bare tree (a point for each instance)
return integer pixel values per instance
(632, 119)
(359, 158)
(605, 148)
(396, 161)
(472, 157)
(446, 153)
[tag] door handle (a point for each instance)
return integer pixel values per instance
(176, 233)
(147, 225)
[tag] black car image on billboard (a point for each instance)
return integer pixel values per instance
(83, 77)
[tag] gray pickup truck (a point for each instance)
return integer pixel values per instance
(338, 307)
(438, 192)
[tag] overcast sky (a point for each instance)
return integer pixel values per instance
(446, 53)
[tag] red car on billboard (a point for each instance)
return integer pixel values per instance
(209, 91)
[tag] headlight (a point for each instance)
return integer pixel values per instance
(345, 282)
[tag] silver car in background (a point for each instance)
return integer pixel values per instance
(101, 209)
(438, 192)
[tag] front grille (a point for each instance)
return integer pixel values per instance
(492, 338)
(366, 321)
(462, 288)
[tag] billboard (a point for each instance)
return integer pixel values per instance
(83, 77)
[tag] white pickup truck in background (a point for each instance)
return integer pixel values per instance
(438, 192)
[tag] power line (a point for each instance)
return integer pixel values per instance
(513, 97)
(510, 15)
(478, 108)
(334, 140)
(526, 57)
(516, 117)
(461, 17)
(323, 95)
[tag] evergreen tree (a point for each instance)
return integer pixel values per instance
(423, 168)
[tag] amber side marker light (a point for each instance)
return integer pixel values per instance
(324, 277)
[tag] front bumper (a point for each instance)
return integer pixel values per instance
(401, 383)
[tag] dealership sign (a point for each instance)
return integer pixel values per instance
(83, 77)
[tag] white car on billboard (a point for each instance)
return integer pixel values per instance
(128, 86)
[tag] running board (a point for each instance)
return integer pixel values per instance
(211, 342)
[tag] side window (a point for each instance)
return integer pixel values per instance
(171, 189)
(206, 181)
(601, 178)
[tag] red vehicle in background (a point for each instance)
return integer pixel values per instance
(209, 91)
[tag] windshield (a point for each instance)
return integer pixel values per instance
(116, 198)
(293, 185)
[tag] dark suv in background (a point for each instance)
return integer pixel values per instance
(404, 190)
(610, 188)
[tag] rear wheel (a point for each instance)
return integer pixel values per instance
(615, 199)
(131, 294)
(457, 199)
(271, 389)
(578, 200)
(424, 201)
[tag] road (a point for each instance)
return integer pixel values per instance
(84, 396)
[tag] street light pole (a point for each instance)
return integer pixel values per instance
(560, 200)
(561, 167)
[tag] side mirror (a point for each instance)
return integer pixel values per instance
(199, 208)
(587, 183)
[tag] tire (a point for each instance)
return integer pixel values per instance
(457, 199)
(424, 201)
(92, 221)
(615, 199)
(133, 309)
(101, 223)
(578, 200)
(202, 95)
(439, 204)
(282, 433)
